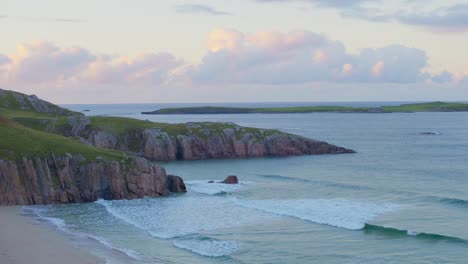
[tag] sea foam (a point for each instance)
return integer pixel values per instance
(180, 216)
(353, 215)
(208, 247)
(214, 188)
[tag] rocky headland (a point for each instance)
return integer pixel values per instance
(49, 154)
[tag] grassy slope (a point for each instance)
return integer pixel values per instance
(23, 133)
(18, 141)
(419, 107)
(10, 103)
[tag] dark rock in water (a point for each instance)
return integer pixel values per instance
(211, 182)
(429, 133)
(176, 184)
(86, 110)
(230, 180)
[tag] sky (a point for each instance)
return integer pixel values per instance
(145, 51)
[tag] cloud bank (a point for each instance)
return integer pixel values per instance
(46, 63)
(302, 57)
(232, 58)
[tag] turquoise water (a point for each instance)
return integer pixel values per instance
(402, 198)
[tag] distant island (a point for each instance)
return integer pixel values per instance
(403, 108)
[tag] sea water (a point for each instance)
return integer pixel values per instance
(402, 198)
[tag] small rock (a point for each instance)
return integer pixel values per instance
(176, 184)
(211, 182)
(230, 180)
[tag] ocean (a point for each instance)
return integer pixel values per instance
(402, 198)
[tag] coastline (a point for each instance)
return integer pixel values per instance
(23, 241)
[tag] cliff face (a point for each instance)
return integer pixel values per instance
(210, 141)
(69, 179)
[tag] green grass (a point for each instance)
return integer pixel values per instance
(428, 107)
(15, 101)
(419, 107)
(121, 126)
(18, 141)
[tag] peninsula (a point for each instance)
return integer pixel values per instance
(404, 108)
(49, 154)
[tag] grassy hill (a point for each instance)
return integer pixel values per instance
(24, 122)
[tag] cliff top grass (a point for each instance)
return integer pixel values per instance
(121, 126)
(18, 141)
(417, 107)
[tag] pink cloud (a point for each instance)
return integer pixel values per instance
(302, 57)
(232, 58)
(44, 63)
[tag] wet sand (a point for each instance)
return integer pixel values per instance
(23, 241)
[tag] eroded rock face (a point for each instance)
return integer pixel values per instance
(176, 184)
(207, 143)
(70, 179)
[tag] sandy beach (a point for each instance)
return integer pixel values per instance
(23, 241)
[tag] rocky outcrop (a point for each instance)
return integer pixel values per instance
(71, 179)
(231, 180)
(209, 141)
(176, 184)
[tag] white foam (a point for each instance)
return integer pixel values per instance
(412, 233)
(208, 247)
(342, 213)
(214, 188)
(178, 216)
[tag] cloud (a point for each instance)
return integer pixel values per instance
(443, 77)
(448, 18)
(301, 57)
(451, 18)
(325, 3)
(4, 60)
(232, 58)
(454, 17)
(45, 63)
(200, 9)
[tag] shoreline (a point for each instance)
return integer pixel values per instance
(24, 240)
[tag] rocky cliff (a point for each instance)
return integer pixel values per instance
(71, 179)
(50, 155)
(195, 141)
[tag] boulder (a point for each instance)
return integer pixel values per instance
(231, 180)
(176, 184)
